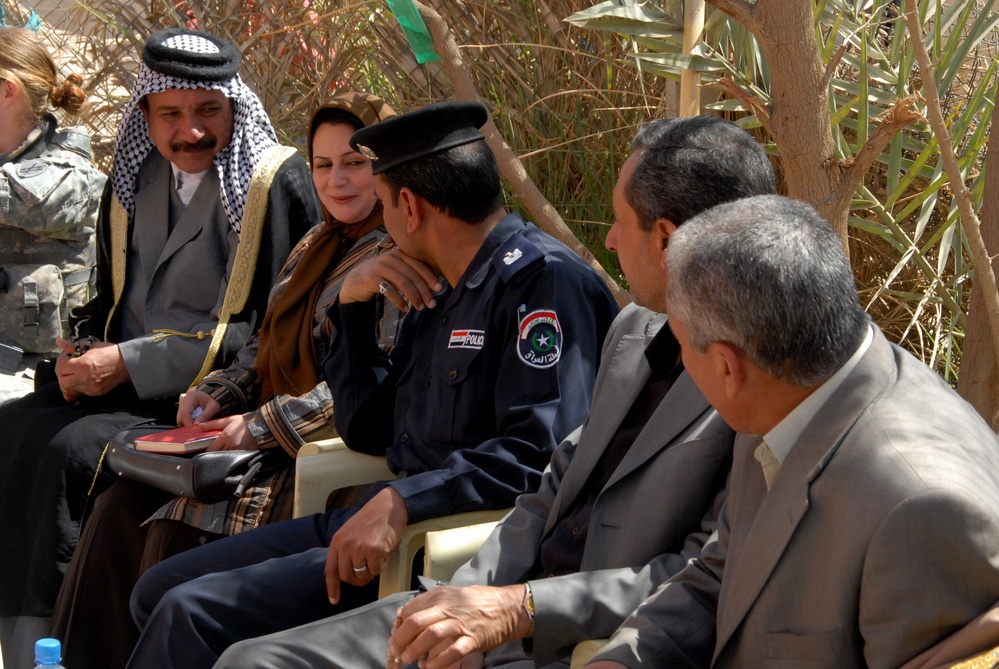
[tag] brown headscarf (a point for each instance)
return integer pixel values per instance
(286, 355)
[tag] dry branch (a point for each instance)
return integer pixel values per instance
(901, 114)
(510, 166)
(741, 11)
(969, 220)
(753, 104)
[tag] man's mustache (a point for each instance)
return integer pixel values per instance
(206, 142)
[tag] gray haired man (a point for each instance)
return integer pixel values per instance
(862, 521)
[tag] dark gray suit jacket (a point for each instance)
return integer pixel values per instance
(879, 537)
(667, 486)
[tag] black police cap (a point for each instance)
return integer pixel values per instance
(191, 54)
(426, 131)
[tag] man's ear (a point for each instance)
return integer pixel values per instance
(412, 208)
(662, 230)
(730, 367)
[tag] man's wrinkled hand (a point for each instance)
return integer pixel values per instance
(443, 627)
(97, 371)
(360, 548)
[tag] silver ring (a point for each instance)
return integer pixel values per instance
(359, 570)
(384, 287)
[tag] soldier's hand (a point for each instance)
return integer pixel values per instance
(402, 279)
(96, 372)
(191, 402)
(360, 548)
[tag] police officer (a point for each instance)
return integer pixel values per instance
(494, 366)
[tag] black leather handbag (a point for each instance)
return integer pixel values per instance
(208, 477)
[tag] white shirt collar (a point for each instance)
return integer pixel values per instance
(189, 182)
(782, 437)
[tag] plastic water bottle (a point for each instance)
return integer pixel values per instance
(48, 654)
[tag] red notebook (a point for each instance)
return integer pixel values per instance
(188, 439)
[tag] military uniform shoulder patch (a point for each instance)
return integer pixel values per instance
(515, 254)
(30, 169)
(539, 340)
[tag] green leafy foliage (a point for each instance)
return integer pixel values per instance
(911, 259)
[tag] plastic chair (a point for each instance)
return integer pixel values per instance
(325, 466)
(399, 573)
(584, 652)
(446, 550)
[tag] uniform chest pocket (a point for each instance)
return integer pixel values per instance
(457, 397)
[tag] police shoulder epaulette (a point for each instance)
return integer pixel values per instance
(516, 253)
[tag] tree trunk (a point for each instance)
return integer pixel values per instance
(800, 109)
(979, 379)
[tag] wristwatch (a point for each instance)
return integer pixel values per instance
(529, 607)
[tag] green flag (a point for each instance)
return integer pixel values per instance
(416, 30)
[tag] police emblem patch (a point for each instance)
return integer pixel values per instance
(539, 343)
(467, 339)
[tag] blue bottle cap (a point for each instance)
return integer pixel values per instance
(48, 651)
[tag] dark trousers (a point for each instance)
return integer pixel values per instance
(91, 615)
(193, 606)
(49, 452)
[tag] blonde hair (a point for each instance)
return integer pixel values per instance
(26, 62)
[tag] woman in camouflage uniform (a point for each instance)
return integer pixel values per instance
(50, 190)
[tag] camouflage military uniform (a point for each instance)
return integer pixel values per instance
(50, 190)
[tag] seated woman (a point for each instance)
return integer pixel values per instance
(50, 190)
(271, 397)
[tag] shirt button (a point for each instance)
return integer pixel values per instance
(453, 374)
(551, 574)
(403, 438)
(575, 531)
(429, 380)
(445, 319)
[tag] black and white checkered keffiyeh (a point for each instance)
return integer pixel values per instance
(252, 133)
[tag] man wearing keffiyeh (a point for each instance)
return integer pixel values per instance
(200, 211)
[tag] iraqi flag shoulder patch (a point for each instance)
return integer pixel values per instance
(539, 341)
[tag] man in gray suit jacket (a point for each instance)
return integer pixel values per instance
(627, 498)
(864, 526)
(199, 214)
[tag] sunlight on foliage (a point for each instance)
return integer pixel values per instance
(910, 256)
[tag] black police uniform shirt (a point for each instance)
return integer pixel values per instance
(478, 391)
